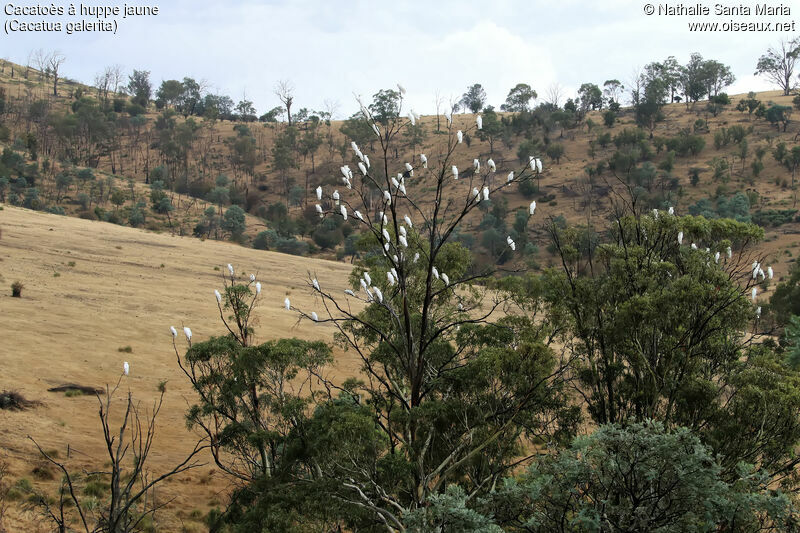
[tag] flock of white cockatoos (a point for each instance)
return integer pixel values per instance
(372, 292)
(397, 243)
(757, 270)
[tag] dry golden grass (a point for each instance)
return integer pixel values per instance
(69, 329)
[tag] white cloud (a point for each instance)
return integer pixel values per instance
(332, 49)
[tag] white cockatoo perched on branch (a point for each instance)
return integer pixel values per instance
(680, 238)
(770, 272)
(343, 211)
(218, 296)
(358, 215)
(258, 287)
(230, 269)
(376, 129)
(532, 208)
(367, 278)
(445, 279)
(486, 193)
(395, 183)
(477, 164)
(479, 122)
(388, 197)
(319, 210)
(424, 159)
(173, 331)
(538, 165)
(403, 241)
(408, 221)
(401, 89)
(671, 210)
(510, 176)
(335, 196)
(476, 194)
(287, 304)
(754, 293)
(319, 192)
(435, 272)
(187, 332)
(455, 172)
(460, 136)
(410, 169)
(314, 316)
(362, 168)
(491, 165)
(126, 368)
(315, 284)
(729, 252)
(386, 236)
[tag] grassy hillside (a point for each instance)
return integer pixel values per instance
(91, 289)
(189, 154)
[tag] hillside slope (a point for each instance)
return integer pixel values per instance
(91, 288)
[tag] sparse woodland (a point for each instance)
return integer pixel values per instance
(568, 316)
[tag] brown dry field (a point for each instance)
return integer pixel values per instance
(68, 328)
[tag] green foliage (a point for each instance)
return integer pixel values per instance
(778, 115)
(265, 240)
(791, 336)
(609, 118)
(474, 99)
(773, 217)
(640, 477)
(234, 221)
(647, 305)
(555, 151)
(785, 301)
(519, 98)
(685, 144)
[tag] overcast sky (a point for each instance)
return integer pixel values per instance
(331, 49)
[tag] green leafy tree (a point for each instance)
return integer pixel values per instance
(639, 477)
(519, 98)
(591, 97)
(658, 332)
(778, 115)
(791, 335)
(492, 128)
(475, 98)
(139, 87)
(234, 221)
(245, 404)
(785, 301)
(385, 106)
(777, 64)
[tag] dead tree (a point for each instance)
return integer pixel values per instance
(132, 484)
